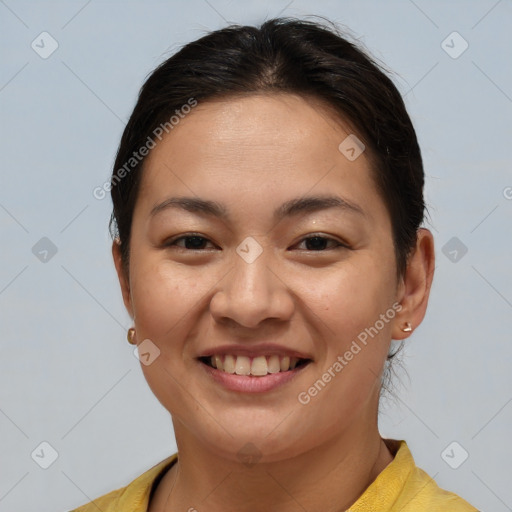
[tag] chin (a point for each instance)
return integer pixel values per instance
(254, 440)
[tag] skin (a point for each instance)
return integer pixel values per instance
(252, 154)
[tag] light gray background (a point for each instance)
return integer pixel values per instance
(67, 374)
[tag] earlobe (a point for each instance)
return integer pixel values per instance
(122, 275)
(415, 288)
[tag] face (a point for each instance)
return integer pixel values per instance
(269, 274)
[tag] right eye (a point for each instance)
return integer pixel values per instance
(192, 242)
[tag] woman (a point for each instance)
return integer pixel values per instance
(268, 196)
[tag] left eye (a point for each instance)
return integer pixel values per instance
(317, 243)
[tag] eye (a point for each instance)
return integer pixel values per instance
(196, 242)
(191, 242)
(318, 242)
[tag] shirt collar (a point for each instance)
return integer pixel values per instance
(135, 497)
(386, 488)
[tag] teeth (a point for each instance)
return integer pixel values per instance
(257, 366)
(274, 365)
(243, 365)
(218, 363)
(229, 364)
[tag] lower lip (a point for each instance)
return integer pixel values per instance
(250, 383)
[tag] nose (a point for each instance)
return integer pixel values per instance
(252, 292)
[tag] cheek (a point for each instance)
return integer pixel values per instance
(355, 343)
(162, 297)
(349, 304)
(349, 299)
(163, 300)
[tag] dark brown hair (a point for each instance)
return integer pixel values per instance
(283, 55)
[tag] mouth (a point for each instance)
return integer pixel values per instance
(254, 366)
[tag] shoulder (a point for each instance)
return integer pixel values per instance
(421, 493)
(404, 487)
(136, 493)
(104, 503)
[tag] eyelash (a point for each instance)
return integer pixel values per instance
(338, 245)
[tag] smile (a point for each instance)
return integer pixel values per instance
(257, 366)
(252, 374)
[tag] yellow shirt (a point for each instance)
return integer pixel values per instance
(400, 487)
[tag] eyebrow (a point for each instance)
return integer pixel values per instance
(293, 207)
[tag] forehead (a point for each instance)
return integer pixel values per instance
(262, 126)
(269, 147)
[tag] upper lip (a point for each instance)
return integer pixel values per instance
(254, 350)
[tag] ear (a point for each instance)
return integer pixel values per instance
(414, 290)
(123, 277)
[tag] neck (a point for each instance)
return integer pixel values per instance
(338, 471)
